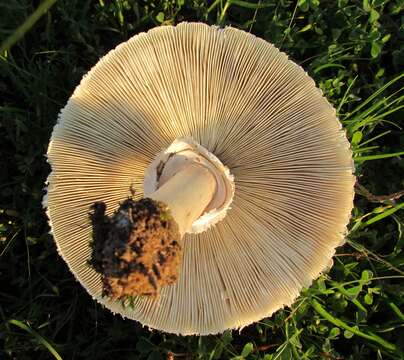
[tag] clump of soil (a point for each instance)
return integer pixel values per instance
(136, 250)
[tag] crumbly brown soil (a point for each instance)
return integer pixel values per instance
(136, 250)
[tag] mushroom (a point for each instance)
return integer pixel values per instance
(243, 159)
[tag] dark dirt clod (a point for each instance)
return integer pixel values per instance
(136, 250)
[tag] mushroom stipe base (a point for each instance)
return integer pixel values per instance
(136, 250)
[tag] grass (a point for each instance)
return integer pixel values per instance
(355, 52)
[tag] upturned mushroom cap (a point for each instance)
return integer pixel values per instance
(261, 115)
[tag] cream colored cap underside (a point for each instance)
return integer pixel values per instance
(261, 115)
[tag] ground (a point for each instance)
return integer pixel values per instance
(354, 50)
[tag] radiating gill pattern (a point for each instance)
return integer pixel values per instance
(261, 115)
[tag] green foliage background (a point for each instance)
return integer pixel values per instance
(355, 52)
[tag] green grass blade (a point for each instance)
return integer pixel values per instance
(374, 138)
(367, 119)
(395, 100)
(248, 5)
(364, 119)
(368, 148)
(37, 336)
(370, 121)
(326, 66)
(396, 310)
(342, 102)
(26, 26)
(214, 4)
(391, 111)
(377, 109)
(384, 214)
(223, 13)
(376, 94)
(377, 157)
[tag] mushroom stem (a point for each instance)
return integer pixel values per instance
(187, 194)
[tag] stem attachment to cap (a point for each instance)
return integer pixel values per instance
(187, 194)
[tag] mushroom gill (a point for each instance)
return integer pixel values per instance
(261, 116)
